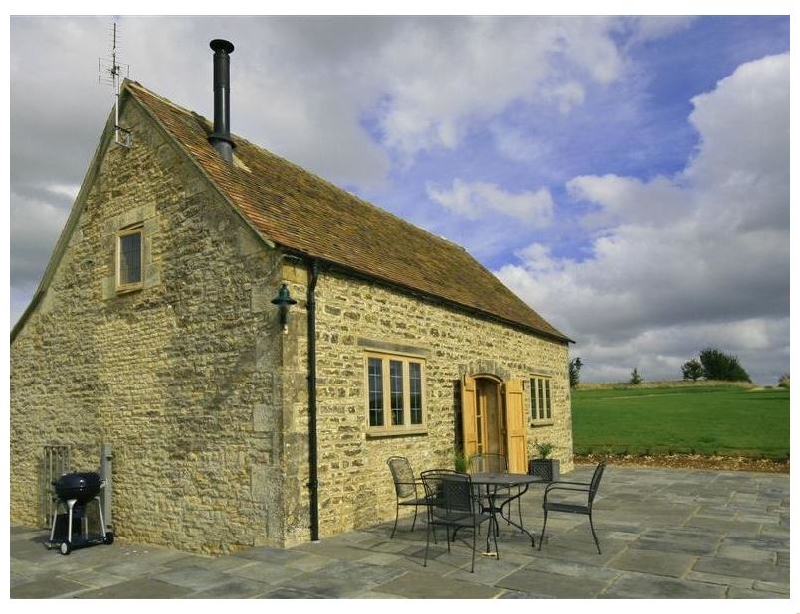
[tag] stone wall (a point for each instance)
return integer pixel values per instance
(177, 377)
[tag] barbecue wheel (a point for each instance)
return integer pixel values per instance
(66, 548)
(108, 538)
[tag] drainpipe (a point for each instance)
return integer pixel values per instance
(313, 486)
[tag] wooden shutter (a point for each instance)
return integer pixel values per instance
(469, 423)
(516, 426)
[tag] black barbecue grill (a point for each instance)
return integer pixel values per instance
(83, 487)
(74, 492)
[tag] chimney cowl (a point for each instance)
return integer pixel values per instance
(221, 137)
(219, 44)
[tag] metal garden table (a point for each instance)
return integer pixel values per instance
(491, 483)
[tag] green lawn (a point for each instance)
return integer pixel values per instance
(691, 419)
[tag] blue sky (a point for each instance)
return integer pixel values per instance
(635, 126)
(628, 177)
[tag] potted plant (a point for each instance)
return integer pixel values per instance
(543, 466)
(460, 461)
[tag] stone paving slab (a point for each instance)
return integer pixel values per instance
(140, 588)
(648, 586)
(234, 588)
(423, 585)
(56, 587)
(679, 539)
(539, 584)
(737, 568)
(654, 562)
(664, 533)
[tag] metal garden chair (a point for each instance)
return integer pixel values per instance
(570, 506)
(408, 488)
(492, 462)
(453, 506)
(488, 463)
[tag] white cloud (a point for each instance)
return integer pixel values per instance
(649, 27)
(439, 78)
(478, 200)
(566, 95)
(70, 191)
(518, 147)
(705, 253)
(743, 103)
(656, 202)
(741, 168)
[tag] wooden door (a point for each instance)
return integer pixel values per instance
(469, 424)
(516, 427)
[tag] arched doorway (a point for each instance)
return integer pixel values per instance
(489, 416)
(493, 419)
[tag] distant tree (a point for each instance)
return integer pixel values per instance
(722, 367)
(692, 370)
(575, 372)
(635, 377)
(783, 381)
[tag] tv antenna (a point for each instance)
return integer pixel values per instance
(110, 71)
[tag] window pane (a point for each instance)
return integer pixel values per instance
(375, 383)
(542, 398)
(415, 390)
(547, 412)
(130, 258)
(396, 390)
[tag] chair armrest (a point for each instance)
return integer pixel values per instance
(573, 486)
(574, 483)
(565, 484)
(562, 486)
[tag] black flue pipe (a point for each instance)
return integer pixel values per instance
(221, 137)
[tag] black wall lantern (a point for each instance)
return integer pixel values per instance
(284, 300)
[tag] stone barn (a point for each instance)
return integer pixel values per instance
(251, 343)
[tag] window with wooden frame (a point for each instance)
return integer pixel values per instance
(395, 394)
(541, 400)
(129, 259)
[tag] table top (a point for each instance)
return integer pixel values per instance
(504, 479)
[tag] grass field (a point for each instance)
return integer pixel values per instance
(682, 419)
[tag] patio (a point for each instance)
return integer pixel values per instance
(665, 533)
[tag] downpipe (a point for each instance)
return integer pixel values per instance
(313, 484)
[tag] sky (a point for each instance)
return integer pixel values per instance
(628, 177)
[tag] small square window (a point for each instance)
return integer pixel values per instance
(129, 259)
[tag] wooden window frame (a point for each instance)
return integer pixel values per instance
(393, 401)
(123, 286)
(541, 402)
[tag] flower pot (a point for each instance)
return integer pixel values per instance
(546, 468)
